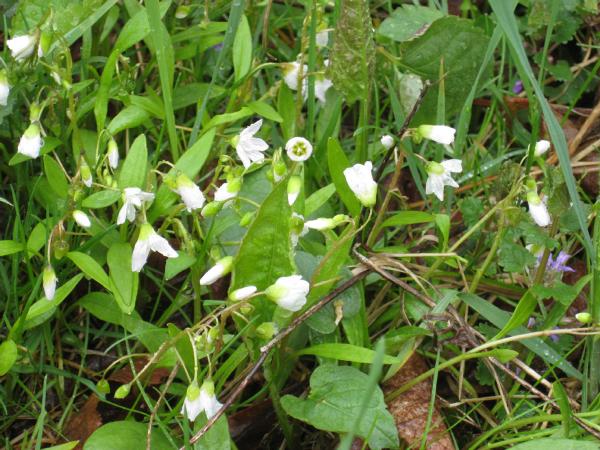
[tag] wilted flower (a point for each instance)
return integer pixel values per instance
(441, 134)
(298, 149)
(538, 210)
(22, 47)
(31, 142)
(149, 240)
(387, 141)
(541, 147)
(200, 399)
(82, 219)
(4, 88)
(249, 148)
(49, 281)
(289, 292)
(242, 293)
(190, 193)
(220, 269)
(440, 175)
(227, 191)
(293, 189)
(360, 180)
(113, 154)
(132, 200)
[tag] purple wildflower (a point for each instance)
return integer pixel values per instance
(555, 337)
(558, 265)
(518, 87)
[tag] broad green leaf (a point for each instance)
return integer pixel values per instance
(9, 247)
(242, 49)
(177, 265)
(90, 267)
(556, 444)
(265, 253)
(286, 107)
(101, 199)
(334, 402)
(123, 282)
(37, 239)
(318, 199)
(222, 119)
(190, 94)
(8, 356)
(265, 110)
(461, 46)
(216, 438)
(520, 315)
(125, 435)
(55, 176)
(134, 170)
(66, 446)
(43, 306)
(407, 22)
(407, 218)
(129, 117)
(352, 55)
(346, 352)
(338, 161)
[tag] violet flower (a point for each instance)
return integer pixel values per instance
(518, 87)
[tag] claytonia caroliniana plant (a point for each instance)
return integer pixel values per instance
(4, 88)
(289, 292)
(49, 281)
(149, 240)
(82, 219)
(298, 149)
(441, 134)
(219, 270)
(360, 180)
(133, 197)
(31, 142)
(198, 399)
(249, 148)
(440, 175)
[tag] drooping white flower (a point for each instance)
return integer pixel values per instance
(200, 399)
(322, 85)
(22, 47)
(289, 292)
(31, 142)
(49, 281)
(441, 134)
(360, 180)
(227, 191)
(325, 223)
(298, 149)
(4, 88)
(387, 141)
(538, 209)
(113, 154)
(149, 240)
(290, 76)
(82, 219)
(322, 38)
(541, 147)
(293, 189)
(220, 269)
(132, 200)
(190, 193)
(242, 293)
(249, 148)
(439, 175)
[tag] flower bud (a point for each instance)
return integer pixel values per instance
(242, 293)
(266, 330)
(211, 209)
(86, 173)
(246, 219)
(44, 44)
(60, 248)
(219, 270)
(113, 154)
(584, 317)
(35, 112)
(103, 386)
(4, 88)
(293, 189)
(49, 281)
(387, 141)
(82, 219)
(182, 11)
(122, 391)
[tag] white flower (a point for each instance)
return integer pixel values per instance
(360, 180)
(226, 191)
(293, 189)
(31, 142)
(200, 399)
(242, 293)
(438, 133)
(149, 240)
(387, 141)
(322, 85)
(290, 76)
(541, 147)
(82, 219)
(86, 173)
(298, 149)
(324, 223)
(113, 154)
(22, 47)
(49, 281)
(220, 269)
(538, 210)
(249, 148)
(4, 88)
(289, 292)
(439, 175)
(190, 193)
(322, 38)
(132, 199)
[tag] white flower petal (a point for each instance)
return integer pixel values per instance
(435, 185)
(141, 250)
(452, 165)
(159, 244)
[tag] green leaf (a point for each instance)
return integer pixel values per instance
(407, 218)
(334, 402)
(43, 308)
(101, 199)
(461, 46)
(125, 435)
(265, 110)
(129, 117)
(514, 257)
(318, 199)
(442, 221)
(242, 49)
(90, 267)
(407, 22)
(265, 253)
(37, 239)
(338, 161)
(177, 265)
(66, 446)
(556, 444)
(346, 352)
(559, 291)
(352, 55)
(134, 169)
(123, 282)
(55, 176)
(216, 438)
(9, 247)
(8, 356)
(520, 315)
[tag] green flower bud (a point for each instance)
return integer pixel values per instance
(584, 317)
(246, 219)
(211, 209)
(182, 11)
(266, 330)
(103, 386)
(122, 391)
(60, 248)
(35, 112)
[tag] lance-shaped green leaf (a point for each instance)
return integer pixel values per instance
(134, 170)
(123, 282)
